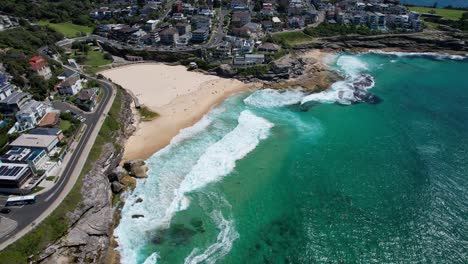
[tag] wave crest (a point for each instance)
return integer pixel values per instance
(430, 55)
(221, 247)
(269, 98)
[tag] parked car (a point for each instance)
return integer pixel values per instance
(5, 211)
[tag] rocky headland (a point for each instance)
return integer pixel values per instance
(91, 225)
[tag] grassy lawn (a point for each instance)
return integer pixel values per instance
(37, 189)
(292, 38)
(50, 178)
(55, 225)
(96, 58)
(146, 114)
(446, 13)
(68, 29)
(95, 69)
(64, 125)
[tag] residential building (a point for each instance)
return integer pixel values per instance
(239, 4)
(14, 102)
(243, 46)
(6, 89)
(169, 36)
(150, 25)
(30, 115)
(86, 99)
(296, 22)
(45, 142)
(178, 16)
(39, 65)
(277, 23)
(3, 78)
(223, 50)
(269, 47)
(201, 21)
(122, 33)
(249, 59)
(50, 119)
(47, 131)
(183, 28)
(35, 158)
(14, 175)
(206, 11)
(137, 36)
(71, 86)
(240, 18)
(200, 35)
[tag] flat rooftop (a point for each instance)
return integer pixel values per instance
(12, 171)
(34, 141)
(20, 155)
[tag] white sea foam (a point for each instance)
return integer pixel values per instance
(220, 158)
(175, 171)
(221, 247)
(269, 98)
(434, 55)
(342, 92)
(352, 66)
(153, 259)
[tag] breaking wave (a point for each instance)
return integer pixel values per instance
(221, 247)
(153, 259)
(269, 98)
(178, 172)
(430, 55)
(351, 90)
(220, 158)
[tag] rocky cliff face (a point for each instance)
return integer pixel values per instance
(445, 41)
(91, 224)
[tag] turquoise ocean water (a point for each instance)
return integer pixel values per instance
(438, 3)
(270, 177)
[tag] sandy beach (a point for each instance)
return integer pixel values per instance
(179, 96)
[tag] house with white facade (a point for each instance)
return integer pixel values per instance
(71, 86)
(30, 115)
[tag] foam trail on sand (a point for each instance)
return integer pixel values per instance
(175, 171)
(430, 55)
(269, 98)
(221, 247)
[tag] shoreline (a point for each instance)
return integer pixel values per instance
(180, 101)
(156, 134)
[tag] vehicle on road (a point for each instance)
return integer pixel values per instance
(5, 211)
(21, 200)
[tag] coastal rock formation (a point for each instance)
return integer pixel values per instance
(440, 41)
(91, 224)
(117, 174)
(116, 187)
(226, 70)
(136, 168)
(305, 71)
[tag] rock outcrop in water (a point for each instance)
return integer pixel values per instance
(91, 224)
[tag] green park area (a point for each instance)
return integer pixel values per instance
(69, 30)
(453, 14)
(291, 38)
(96, 58)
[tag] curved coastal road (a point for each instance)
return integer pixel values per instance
(31, 215)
